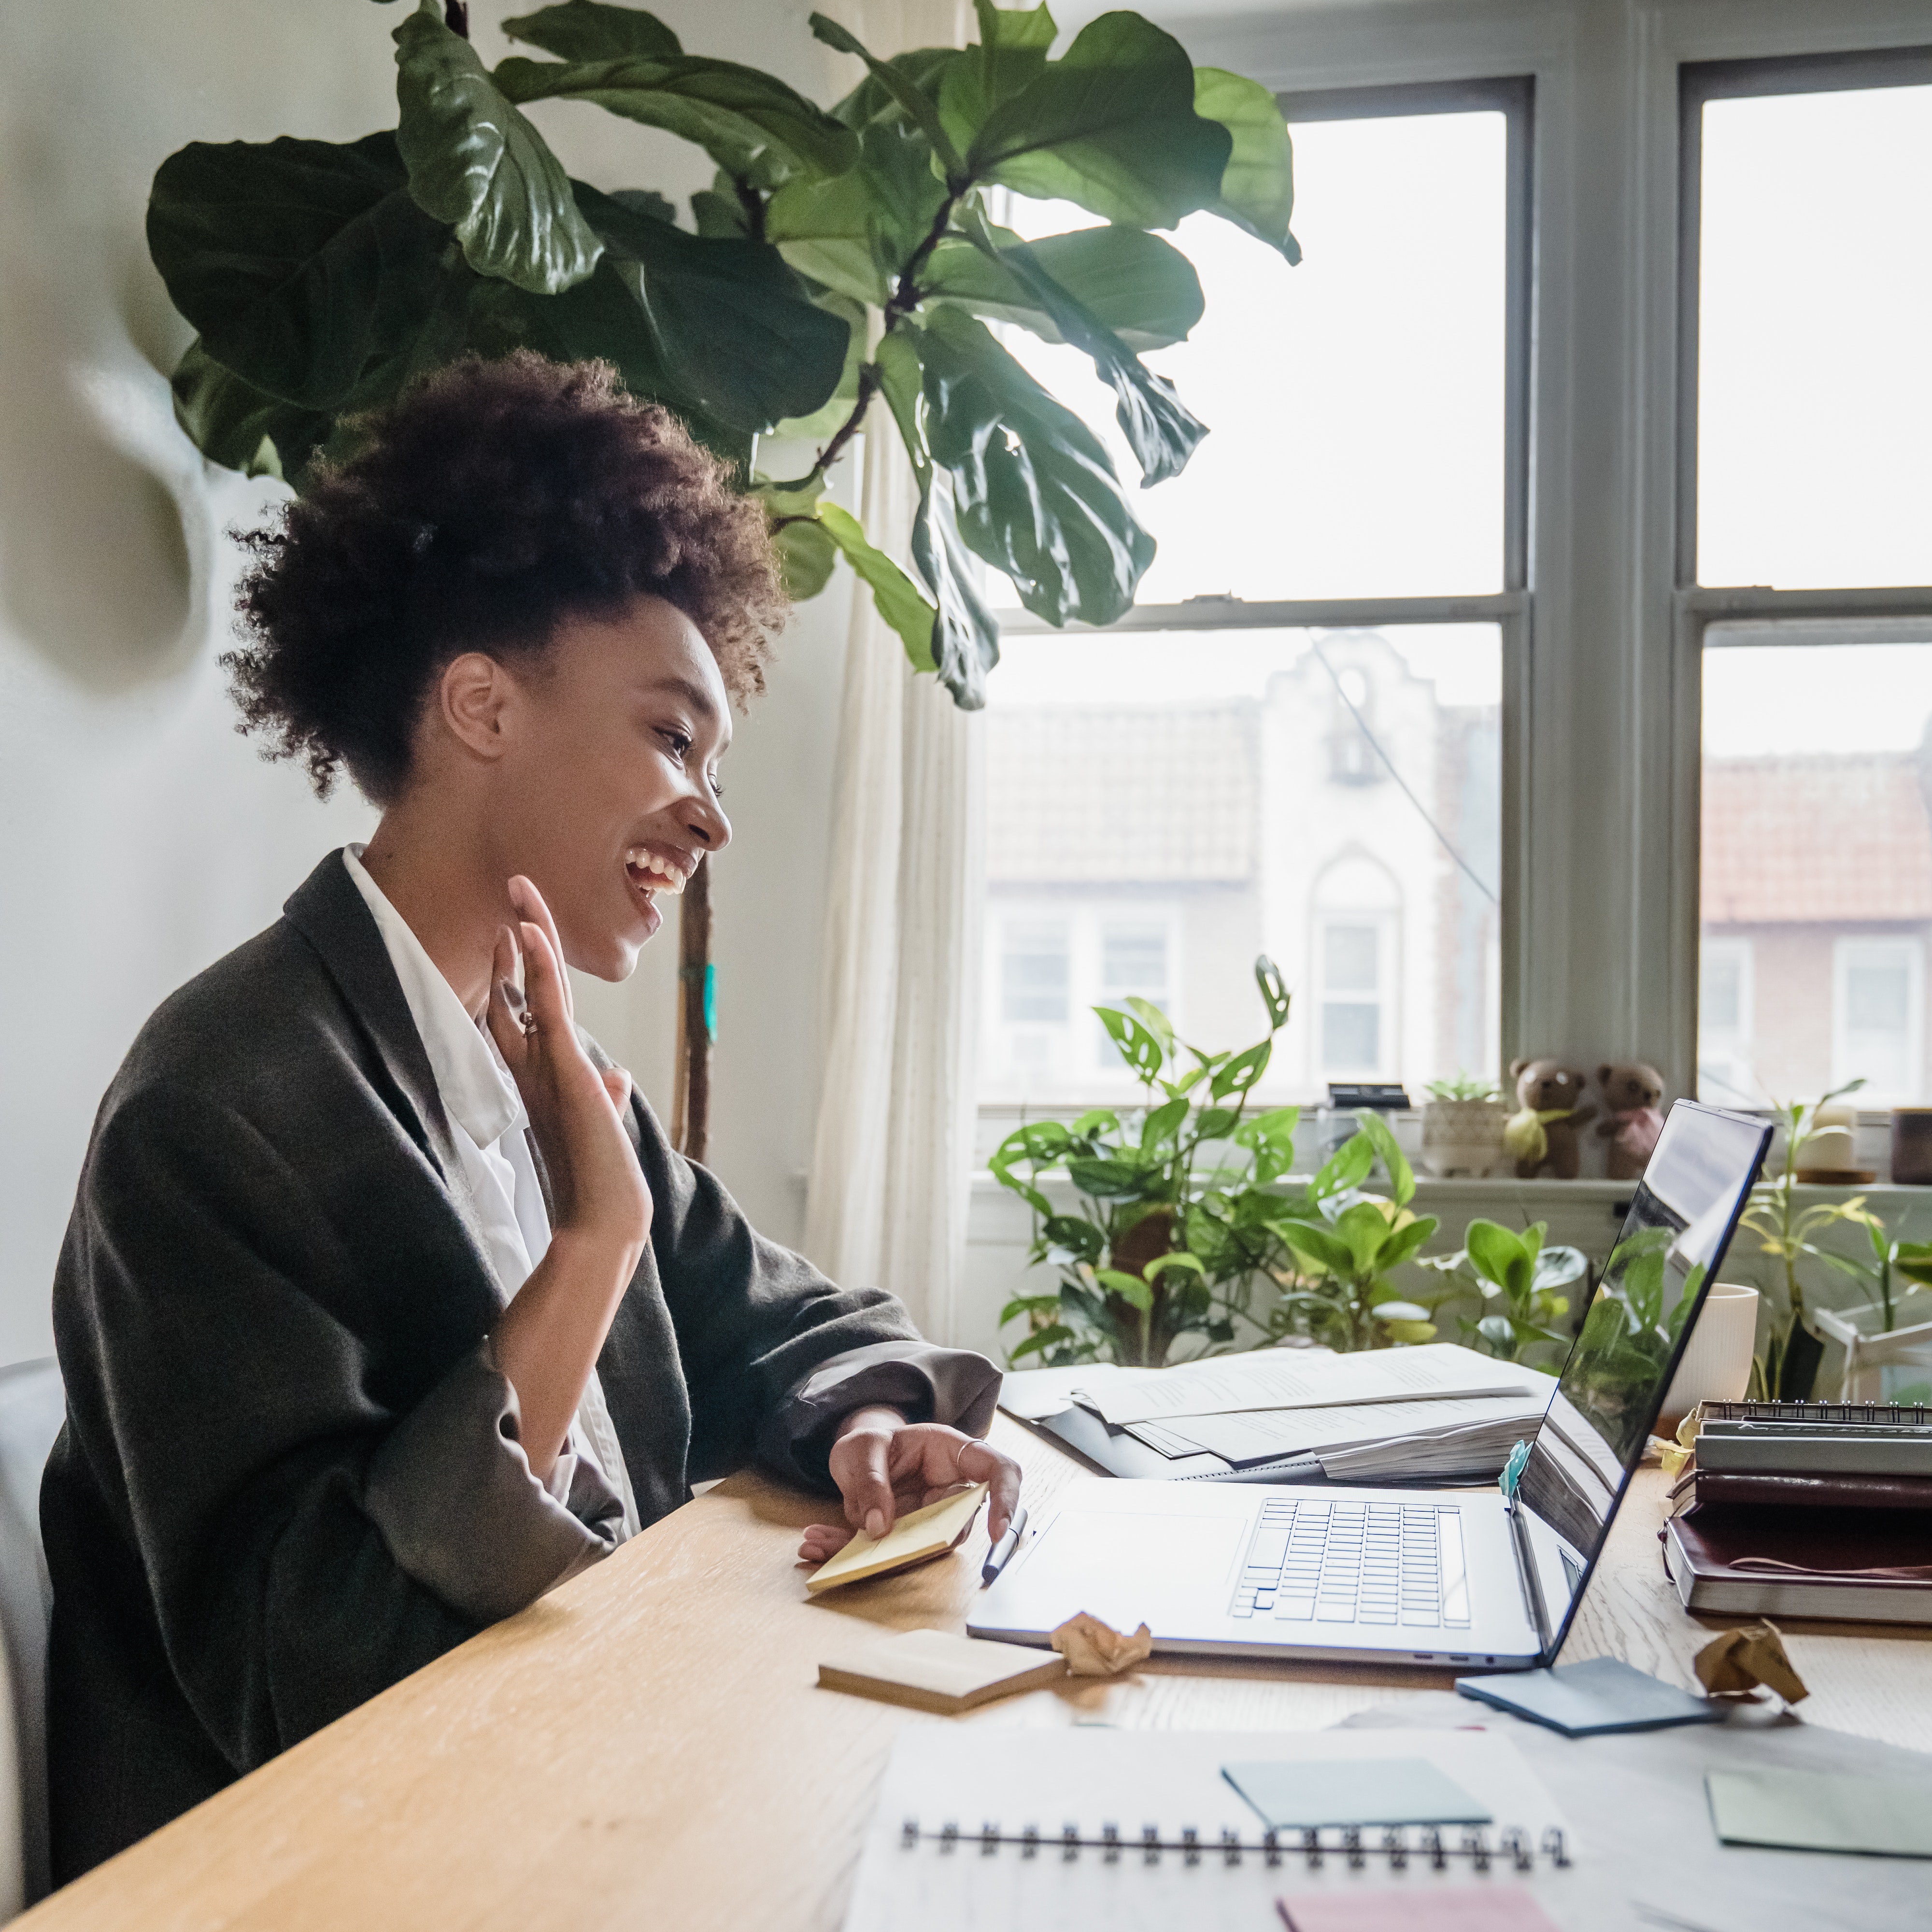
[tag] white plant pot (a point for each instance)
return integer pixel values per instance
(1716, 1362)
(1462, 1139)
(1882, 1365)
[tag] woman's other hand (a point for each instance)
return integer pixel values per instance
(885, 1465)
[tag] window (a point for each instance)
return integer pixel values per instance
(1878, 1017)
(1815, 873)
(1310, 693)
(1727, 1057)
(1032, 974)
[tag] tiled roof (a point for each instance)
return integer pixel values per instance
(1826, 839)
(1128, 794)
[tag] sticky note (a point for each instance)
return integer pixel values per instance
(1369, 1791)
(921, 1533)
(1458, 1908)
(1822, 1811)
(935, 1670)
(1580, 1700)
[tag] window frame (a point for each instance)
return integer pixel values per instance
(1784, 618)
(1603, 640)
(1513, 96)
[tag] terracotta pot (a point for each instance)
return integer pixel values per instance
(1462, 1139)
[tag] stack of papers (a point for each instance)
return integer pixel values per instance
(1437, 1414)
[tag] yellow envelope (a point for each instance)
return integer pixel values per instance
(926, 1532)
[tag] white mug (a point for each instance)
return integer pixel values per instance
(1716, 1362)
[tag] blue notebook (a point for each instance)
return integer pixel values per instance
(1581, 1699)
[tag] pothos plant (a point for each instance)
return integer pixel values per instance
(840, 256)
(1517, 1278)
(1182, 1219)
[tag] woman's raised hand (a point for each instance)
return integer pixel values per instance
(575, 1110)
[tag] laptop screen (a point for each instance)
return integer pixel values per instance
(1672, 1243)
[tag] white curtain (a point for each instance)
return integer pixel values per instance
(891, 1164)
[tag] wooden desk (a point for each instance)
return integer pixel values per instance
(648, 1746)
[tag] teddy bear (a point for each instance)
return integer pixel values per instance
(1635, 1121)
(1543, 1135)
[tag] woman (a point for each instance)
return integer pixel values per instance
(386, 1306)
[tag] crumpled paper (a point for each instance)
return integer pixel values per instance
(1095, 1649)
(1676, 1456)
(1735, 1663)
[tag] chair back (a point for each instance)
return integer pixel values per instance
(33, 1405)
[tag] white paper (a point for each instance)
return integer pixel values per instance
(1032, 1394)
(972, 1775)
(1296, 1378)
(1250, 1435)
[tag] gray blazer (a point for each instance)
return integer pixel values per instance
(288, 1474)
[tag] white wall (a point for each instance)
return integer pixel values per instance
(141, 837)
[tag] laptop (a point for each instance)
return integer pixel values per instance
(1460, 1576)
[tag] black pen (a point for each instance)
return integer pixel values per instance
(1001, 1553)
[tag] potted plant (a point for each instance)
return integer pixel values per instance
(1462, 1123)
(1893, 1331)
(1785, 1231)
(1516, 1278)
(1183, 1215)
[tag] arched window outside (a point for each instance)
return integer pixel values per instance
(1356, 928)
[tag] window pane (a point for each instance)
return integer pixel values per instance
(1349, 956)
(1167, 800)
(1814, 392)
(1034, 974)
(1351, 1039)
(1356, 401)
(1817, 868)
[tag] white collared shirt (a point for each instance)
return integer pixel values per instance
(488, 1125)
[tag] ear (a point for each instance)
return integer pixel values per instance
(1517, 1067)
(1603, 1073)
(470, 698)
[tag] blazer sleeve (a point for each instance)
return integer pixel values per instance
(775, 1354)
(306, 1544)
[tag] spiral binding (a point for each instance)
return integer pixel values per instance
(1512, 1848)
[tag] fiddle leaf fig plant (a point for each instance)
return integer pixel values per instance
(842, 258)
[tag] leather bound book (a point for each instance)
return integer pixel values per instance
(1871, 1565)
(1779, 1488)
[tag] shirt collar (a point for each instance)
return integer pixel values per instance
(476, 1086)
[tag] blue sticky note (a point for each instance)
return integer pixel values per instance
(1580, 1700)
(1291, 1796)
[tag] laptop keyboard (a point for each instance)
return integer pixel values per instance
(1391, 1563)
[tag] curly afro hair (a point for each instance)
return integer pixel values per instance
(493, 499)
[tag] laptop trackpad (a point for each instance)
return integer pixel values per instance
(1127, 1568)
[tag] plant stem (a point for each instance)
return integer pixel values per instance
(906, 296)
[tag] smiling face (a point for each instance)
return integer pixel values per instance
(604, 790)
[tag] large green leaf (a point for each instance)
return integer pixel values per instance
(895, 595)
(588, 30)
(477, 164)
(1035, 493)
(1011, 55)
(299, 261)
(1161, 430)
(897, 82)
(234, 424)
(874, 103)
(854, 232)
(1110, 126)
(826, 420)
(1258, 185)
(965, 641)
(736, 334)
(1142, 288)
(736, 114)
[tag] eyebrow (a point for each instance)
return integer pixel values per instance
(693, 693)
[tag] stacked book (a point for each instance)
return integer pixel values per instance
(1808, 1510)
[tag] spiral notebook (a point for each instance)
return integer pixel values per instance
(984, 1830)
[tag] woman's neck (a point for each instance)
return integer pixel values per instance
(450, 893)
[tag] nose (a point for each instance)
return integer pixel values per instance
(708, 825)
